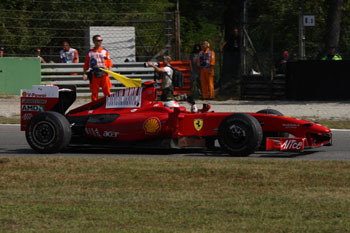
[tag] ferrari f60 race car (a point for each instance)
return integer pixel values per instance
(132, 118)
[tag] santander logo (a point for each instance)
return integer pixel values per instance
(292, 145)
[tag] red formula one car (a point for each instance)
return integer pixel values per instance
(133, 118)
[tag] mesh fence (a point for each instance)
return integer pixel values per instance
(140, 34)
(134, 36)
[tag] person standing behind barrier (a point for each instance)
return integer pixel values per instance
(68, 54)
(167, 75)
(281, 65)
(332, 55)
(2, 48)
(195, 78)
(38, 54)
(231, 56)
(96, 58)
(206, 63)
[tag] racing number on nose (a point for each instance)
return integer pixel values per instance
(198, 124)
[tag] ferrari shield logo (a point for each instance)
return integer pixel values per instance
(198, 124)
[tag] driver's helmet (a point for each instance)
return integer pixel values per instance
(171, 104)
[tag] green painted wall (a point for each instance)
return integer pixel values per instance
(18, 73)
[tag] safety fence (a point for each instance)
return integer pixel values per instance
(72, 74)
(131, 31)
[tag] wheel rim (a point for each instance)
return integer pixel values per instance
(44, 133)
(236, 136)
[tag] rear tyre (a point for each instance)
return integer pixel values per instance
(240, 134)
(48, 132)
(271, 134)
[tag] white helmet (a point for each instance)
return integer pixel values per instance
(172, 104)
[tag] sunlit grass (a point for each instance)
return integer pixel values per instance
(173, 195)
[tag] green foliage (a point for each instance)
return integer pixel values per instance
(277, 21)
(195, 32)
(272, 24)
(25, 25)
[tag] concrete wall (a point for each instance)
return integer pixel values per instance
(18, 73)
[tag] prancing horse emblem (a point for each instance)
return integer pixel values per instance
(198, 124)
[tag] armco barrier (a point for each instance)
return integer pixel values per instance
(57, 73)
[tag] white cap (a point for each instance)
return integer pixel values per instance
(172, 104)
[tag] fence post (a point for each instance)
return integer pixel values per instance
(177, 33)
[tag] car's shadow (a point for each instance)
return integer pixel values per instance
(258, 154)
(168, 153)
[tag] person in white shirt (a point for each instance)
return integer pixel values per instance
(167, 75)
(68, 54)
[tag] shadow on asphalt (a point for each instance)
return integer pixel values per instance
(183, 153)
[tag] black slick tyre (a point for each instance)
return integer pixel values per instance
(240, 134)
(48, 132)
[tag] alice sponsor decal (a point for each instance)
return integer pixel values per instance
(152, 125)
(292, 145)
(33, 108)
(198, 124)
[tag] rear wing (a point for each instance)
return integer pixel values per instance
(43, 98)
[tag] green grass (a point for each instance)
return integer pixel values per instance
(173, 195)
(5, 96)
(9, 120)
(331, 123)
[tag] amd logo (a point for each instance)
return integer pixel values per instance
(32, 108)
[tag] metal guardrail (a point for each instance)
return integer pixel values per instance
(60, 73)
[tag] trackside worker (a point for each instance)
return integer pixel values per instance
(332, 55)
(96, 58)
(206, 63)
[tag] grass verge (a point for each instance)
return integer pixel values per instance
(173, 195)
(9, 120)
(331, 123)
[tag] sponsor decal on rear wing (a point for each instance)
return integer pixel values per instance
(125, 98)
(38, 99)
(41, 91)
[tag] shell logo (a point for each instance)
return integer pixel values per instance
(152, 125)
(24, 94)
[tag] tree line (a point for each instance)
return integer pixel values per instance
(271, 24)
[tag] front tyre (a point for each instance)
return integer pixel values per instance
(48, 132)
(240, 134)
